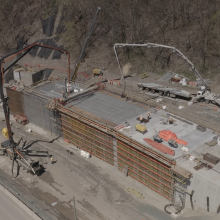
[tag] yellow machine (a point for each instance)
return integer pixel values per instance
(97, 72)
(141, 128)
(5, 132)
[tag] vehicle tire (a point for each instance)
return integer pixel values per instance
(201, 100)
(167, 94)
(161, 93)
(146, 89)
(207, 101)
(153, 91)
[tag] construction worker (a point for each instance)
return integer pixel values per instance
(148, 116)
(52, 160)
(141, 119)
(170, 120)
(122, 94)
(64, 95)
(127, 97)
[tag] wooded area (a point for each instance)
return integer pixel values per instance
(192, 26)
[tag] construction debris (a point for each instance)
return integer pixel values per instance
(210, 158)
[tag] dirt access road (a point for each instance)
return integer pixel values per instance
(100, 190)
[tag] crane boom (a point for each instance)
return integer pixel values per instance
(9, 147)
(152, 45)
(7, 58)
(73, 75)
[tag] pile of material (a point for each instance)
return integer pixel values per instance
(169, 135)
(162, 148)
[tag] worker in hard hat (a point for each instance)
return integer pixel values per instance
(52, 160)
(148, 116)
(127, 97)
(122, 94)
(170, 120)
(141, 119)
(64, 95)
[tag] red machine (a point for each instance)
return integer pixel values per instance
(21, 120)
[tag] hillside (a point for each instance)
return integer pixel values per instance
(189, 25)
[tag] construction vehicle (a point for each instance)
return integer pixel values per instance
(21, 120)
(163, 90)
(78, 61)
(21, 155)
(207, 96)
(204, 95)
(98, 72)
(172, 143)
(141, 128)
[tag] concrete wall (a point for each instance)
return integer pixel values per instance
(203, 187)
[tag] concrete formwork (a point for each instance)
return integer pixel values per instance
(144, 164)
(98, 136)
(16, 101)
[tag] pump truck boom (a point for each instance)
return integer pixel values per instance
(21, 155)
(204, 95)
(73, 75)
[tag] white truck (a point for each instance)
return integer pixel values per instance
(203, 95)
(207, 97)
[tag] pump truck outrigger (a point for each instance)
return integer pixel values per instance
(21, 155)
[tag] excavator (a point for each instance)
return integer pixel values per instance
(21, 155)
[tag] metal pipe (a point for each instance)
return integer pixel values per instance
(12, 64)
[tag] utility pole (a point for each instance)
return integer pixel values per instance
(74, 206)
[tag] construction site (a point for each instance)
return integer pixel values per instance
(159, 131)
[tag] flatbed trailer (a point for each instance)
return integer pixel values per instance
(162, 90)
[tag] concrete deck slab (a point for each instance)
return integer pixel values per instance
(108, 107)
(183, 131)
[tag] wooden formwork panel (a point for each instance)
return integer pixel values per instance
(145, 169)
(88, 138)
(15, 101)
